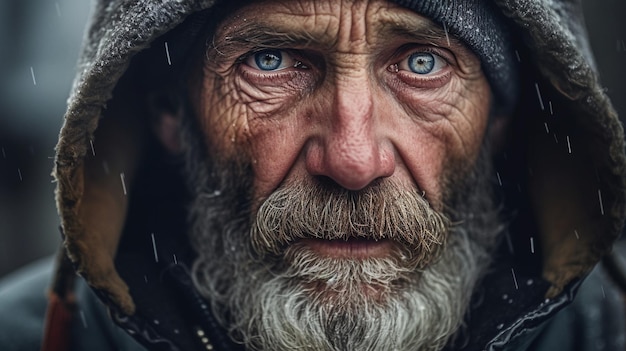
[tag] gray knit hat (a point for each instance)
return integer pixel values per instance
(482, 27)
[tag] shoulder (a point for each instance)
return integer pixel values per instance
(23, 303)
(596, 320)
(23, 306)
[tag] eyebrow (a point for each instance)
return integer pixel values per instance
(251, 36)
(425, 31)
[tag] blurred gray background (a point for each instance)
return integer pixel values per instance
(39, 38)
(39, 44)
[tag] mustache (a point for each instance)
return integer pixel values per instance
(383, 210)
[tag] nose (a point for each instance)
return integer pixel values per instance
(353, 151)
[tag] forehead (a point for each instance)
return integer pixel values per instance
(329, 22)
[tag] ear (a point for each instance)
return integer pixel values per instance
(498, 131)
(167, 113)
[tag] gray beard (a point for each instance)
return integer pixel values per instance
(271, 293)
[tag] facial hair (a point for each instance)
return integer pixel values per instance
(273, 293)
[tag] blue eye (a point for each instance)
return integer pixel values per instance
(268, 60)
(421, 62)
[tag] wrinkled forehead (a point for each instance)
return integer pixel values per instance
(329, 22)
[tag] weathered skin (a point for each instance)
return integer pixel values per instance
(344, 103)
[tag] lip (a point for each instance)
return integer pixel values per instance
(358, 248)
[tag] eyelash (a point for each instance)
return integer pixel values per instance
(297, 58)
(298, 74)
(416, 80)
(406, 51)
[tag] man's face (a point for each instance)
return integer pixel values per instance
(361, 123)
(353, 91)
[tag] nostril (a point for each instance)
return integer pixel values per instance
(326, 182)
(351, 166)
(331, 184)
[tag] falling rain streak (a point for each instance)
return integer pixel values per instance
(167, 53)
(123, 178)
(499, 179)
(32, 73)
(83, 319)
(4, 155)
(93, 151)
(156, 256)
(56, 4)
(546, 125)
(19, 173)
(514, 279)
(445, 29)
(576, 233)
(569, 146)
(601, 204)
(517, 55)
(532, 245)
(539, 96)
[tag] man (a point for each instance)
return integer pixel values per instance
(335, 175)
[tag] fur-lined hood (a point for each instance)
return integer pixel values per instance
(564, 160)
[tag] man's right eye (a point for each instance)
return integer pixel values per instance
(271, 60)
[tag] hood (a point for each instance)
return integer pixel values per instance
(120, 198)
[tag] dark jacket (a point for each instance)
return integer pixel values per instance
(121, 198)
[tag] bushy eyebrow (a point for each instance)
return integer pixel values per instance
(257, 36)
(425, 32)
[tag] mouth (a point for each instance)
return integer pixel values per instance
(356, 268)
(355, 248)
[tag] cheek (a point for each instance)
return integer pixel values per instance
(275, 148)
(269, 97)
(222, 118)
(441, 131)
(255, 123)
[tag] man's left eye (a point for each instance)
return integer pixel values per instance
(270, 60)
(423, 63)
